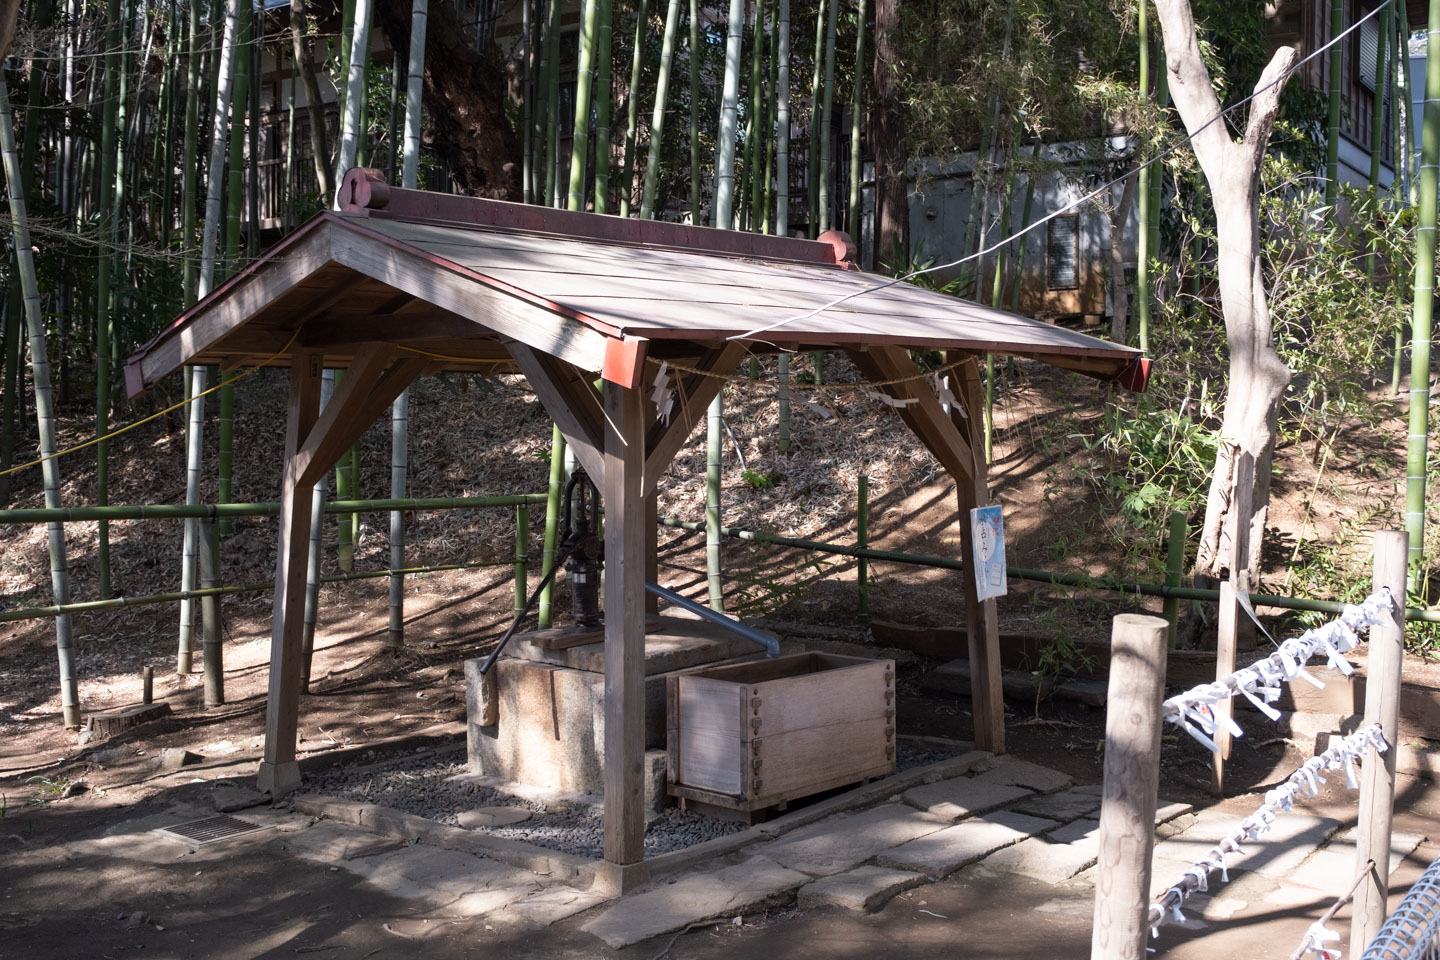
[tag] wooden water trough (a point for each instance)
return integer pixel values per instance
(403, 283)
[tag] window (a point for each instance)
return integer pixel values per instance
(1063, 253)
(1367, 51)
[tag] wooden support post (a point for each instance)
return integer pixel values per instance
(1377, 778)
(624, 479)
(212, 627)
(1132, 783)
(1228, 626)
(279, 774)
(987, 700)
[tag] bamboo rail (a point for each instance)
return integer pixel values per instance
(213, 511)
(1414, 614)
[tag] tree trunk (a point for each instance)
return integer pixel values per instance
(306, 64)
(44, 406)
(1257, 375)
(466, 100)
(695, 111)
(782, 120)
(632, 105)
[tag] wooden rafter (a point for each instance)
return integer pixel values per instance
(571, 400)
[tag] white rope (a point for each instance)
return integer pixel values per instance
(1305, 781)
(1260, 682)
(1315, 939)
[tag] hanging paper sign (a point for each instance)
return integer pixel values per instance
(987, 533)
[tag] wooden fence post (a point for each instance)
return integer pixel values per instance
(1377, 779)
(1230, 632)
(1132, 783)
(1174, 568)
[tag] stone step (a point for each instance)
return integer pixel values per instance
(864, 889)
(693, 897)
(838, 844)
(942, 853)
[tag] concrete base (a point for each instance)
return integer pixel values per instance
(617, 879)
(278, 779)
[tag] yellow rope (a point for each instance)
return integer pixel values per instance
(442, 356)
(175, 406)
(793, 385)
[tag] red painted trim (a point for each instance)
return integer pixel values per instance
(1136, 376)
(625, 361)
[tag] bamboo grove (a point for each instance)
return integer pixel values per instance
(156, 145)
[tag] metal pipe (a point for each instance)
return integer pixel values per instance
(1414, 614)
(771, 645)
(212, 511)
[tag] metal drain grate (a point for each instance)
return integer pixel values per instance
(210, 829)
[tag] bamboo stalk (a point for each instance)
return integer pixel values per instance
(214, 627)
(584, 78)
(189, 159)
(857, 94)
(695, 111)
(1332, 120)
(657, 118)
(104, 322)
(782, 143)
(44, 406)
(1143, 301)
(603, 106)
(1417, 462)
(552, 106)
(782, 376)
(812, 157)
(862, 540)
(1174, 568)
(552, 521)
(723, 214)
(1377, 118)
(522, 558)
(632, 108)
(826, 117)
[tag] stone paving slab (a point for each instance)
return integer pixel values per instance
(864, 889)
(1332, 868)
(837, 844)
(1292, 838)
(552, 905)
(1042, 860)
(454, 881)
(1023, 773)
(962, 797)
(1064, 806)
(941, 854)
(329, 842)
(696, 896)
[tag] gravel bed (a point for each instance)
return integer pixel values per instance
(426, 787)
(429, 786)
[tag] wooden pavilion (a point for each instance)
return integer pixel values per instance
(403, 283)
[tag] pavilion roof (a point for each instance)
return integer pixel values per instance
(455, 278)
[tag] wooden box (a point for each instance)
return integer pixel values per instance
(751, 735)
